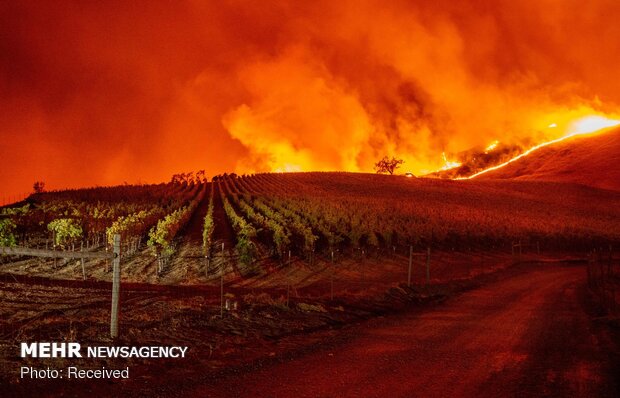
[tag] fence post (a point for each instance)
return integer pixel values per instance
(410, 264)
(332, 279)
(428, 266)
(208, 258)
(116, 286)
(83, 270)
(288, 279)
(54, 247)
(222, 285)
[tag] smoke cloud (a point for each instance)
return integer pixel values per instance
(105, 93)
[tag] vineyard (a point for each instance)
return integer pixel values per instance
(242, 266)
(267, 230)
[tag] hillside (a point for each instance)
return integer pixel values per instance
(591, 160)
(260, 222)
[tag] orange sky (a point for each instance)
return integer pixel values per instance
(102, 94)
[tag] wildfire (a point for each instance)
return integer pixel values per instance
(586, 125)
(288, 168)
(447, 163)
(492, 146)
(590, 124)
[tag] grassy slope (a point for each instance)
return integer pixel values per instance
(590, 160)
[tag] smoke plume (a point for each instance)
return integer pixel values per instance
(127, 91)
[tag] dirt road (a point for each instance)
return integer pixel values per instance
(526, 336)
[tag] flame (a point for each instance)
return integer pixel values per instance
(590, 124)
(492, 146)
(286, 85)
(585, 125)
(447, 163)
(288, 168)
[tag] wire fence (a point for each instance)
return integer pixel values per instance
(326, 277)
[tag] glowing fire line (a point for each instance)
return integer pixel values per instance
(491, 147)
(584, 126)
(447, 163)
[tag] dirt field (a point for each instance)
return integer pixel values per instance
(526, 336)
(473, 333)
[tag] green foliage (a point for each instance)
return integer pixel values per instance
(208, 226)
(65, 230)
(281, 236)
(7, 226)
(283, 216)
(16, 211)
(245, 233)
(162, 234)
(132, 225)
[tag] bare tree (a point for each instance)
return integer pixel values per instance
(387, 165)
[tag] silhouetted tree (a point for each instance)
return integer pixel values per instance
(39, 186)
(201, 177)
(387, 165)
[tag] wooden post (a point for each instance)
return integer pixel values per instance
(428, 266)
(362, 267)
(116, 286)
(222, 285)
(54, 246)
(332, 279)
(410, 264)
(82, 260)
(288, 279)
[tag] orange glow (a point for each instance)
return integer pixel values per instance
(491, 146)
(585, 125)
(590, 124)
(102, 94)
(447, 163)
